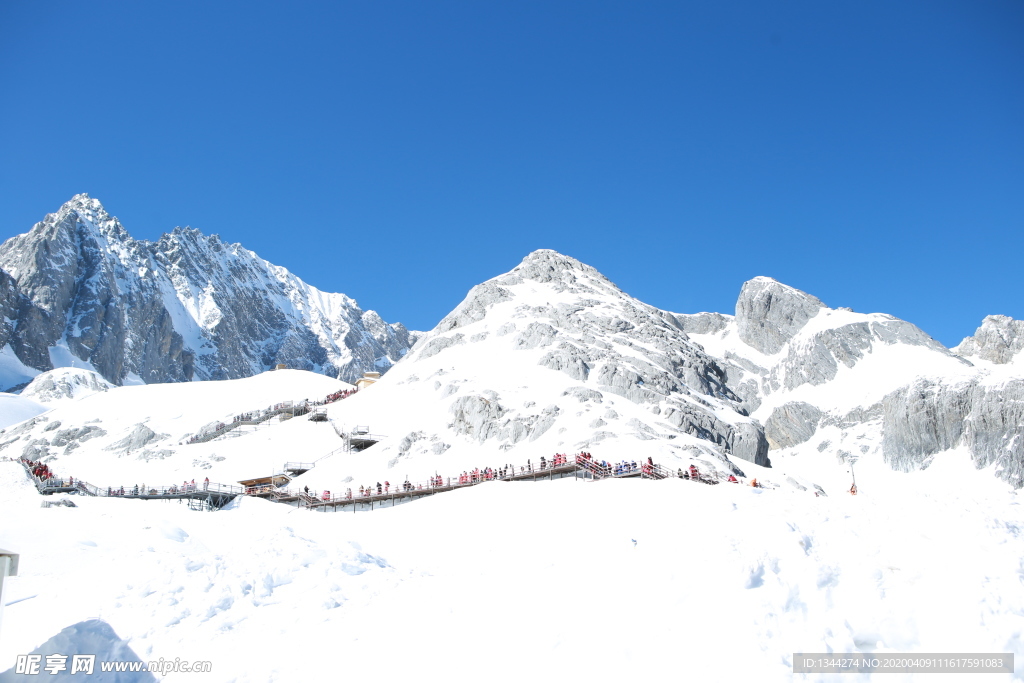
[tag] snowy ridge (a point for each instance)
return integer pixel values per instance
(186, 307)
(856, 385)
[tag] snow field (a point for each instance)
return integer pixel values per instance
(176, 411)
(542, 580)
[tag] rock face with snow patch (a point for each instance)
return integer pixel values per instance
(824, 379)
(768, 313)
(931, 416)
(998, 340)
(791, 424)
(64, 384)
(593, 344)
(186, 307)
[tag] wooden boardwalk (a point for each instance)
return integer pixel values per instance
(400, 494)
(211, 496)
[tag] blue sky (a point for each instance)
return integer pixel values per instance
(871, 153)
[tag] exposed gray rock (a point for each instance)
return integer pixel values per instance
(65, 383)
(78, 278)
(569, 359)
(818, 360)
(474, 307)
(140, 436)
(768, 313)
(37, 449)
(582, 394)
(438, 344)
(23, 325)
(76, 435)
(535, 335)
(746, 441)
(703, 323)
(998, 340)
(791, 424)
(929, 417)
(148, 454)
(795, 484)
(476, 416)
(857, 416)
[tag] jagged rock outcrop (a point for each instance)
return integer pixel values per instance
(931, 416)
(188, 306)
(768, 313)
(791, 424)
(998, 340)
(64, 384)
(23, 325)
(703, 323)
(817, 360)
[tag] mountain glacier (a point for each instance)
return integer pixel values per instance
(78, 290)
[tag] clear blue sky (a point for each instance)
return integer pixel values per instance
(871, 153)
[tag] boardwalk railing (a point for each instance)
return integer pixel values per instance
(214, 495)
(295, 408)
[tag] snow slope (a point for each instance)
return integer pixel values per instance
(133, 435)
(15, 409)
(564, 580)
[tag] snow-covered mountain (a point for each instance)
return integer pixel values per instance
(552, 357)
(77, 290)
(828, 381)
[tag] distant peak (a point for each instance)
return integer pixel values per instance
(548, 265)
(547, 254)
(84, 203)
(769, 313)
(89, 213)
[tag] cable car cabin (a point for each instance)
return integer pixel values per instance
(264, 485)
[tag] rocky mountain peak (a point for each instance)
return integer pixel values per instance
(564, 272)
(565, 326)
(998, 340)
(769, 313)
(188, 306)
(89, 218)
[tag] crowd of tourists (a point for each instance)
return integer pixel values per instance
(584, 460)
(42, 473)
